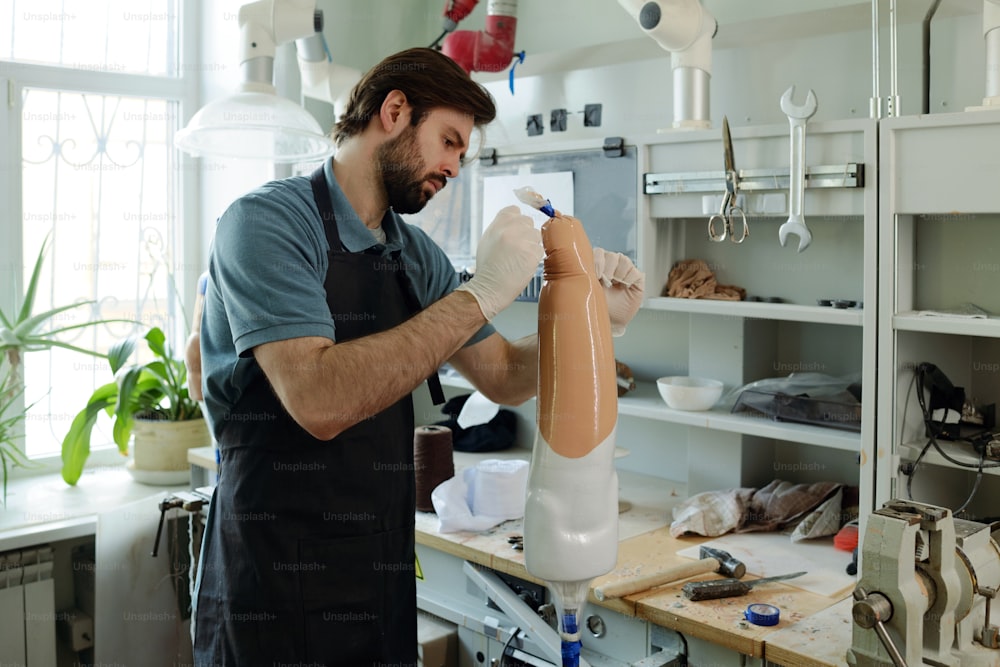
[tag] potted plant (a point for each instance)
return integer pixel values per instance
(149, 400)
(22, 330)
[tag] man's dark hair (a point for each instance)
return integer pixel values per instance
(428, 78)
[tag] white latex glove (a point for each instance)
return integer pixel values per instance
(507, 257)
(623, 287)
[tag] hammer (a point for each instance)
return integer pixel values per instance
(711, 560)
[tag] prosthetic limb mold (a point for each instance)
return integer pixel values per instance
(571, 514)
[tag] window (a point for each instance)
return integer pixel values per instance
(93, 102)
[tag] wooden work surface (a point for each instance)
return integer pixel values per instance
(718, 621)
(820, 640)
(647, 546)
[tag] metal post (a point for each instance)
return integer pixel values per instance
(893, 104)
(875, 105)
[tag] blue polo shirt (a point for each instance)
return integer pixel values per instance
(266, 272)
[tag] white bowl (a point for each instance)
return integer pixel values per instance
(689, 393)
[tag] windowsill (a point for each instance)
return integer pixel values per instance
(106, 457)
(43, 507)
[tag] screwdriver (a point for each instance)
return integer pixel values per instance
(727, 588)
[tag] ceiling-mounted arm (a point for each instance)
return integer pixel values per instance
(685, 29)
(322, 79)
(263, 26)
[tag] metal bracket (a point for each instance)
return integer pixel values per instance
(614, 146)
(850, 175)
(527, 620)
(488, 157)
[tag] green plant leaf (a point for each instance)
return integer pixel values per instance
(8, 338)
(90, 323)
(76, 444)
(27, 326)
(145, 396)
(159, 369)
(16, 455)
(126, 388)
(34, 346)
(29, 295)
(120, 353)
(157, 342)
(121, 432)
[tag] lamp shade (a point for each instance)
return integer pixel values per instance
(254, 125)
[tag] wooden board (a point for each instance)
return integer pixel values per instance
(774, 554)
(718, 621)
(821, 640)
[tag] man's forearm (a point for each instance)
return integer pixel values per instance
(330, 387)
(505, 372)
(518, 380)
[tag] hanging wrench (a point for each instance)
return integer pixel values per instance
(797, 117)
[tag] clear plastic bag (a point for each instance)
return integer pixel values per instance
(806, 398)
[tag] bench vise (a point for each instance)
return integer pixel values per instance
(926, 587)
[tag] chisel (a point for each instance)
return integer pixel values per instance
(726, 588)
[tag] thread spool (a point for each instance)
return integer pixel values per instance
(432, 461)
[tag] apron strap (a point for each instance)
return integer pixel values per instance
(321, 193)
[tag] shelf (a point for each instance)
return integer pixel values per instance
(759, 310)
(911, 321)
(849, 175)
(645, 402)
(909, 451)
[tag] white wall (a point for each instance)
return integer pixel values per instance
(755, 60)
(760, 49)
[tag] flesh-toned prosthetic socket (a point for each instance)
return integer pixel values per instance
(571, 514)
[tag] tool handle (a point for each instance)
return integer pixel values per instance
(797, 169)
(714, 590)
(638, 584)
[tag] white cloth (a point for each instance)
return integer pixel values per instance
(477, 410)
(481, 497)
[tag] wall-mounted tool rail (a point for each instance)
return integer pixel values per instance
(850, 175)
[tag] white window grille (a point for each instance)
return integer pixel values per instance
(92, 99)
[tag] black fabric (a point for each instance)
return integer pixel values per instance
(321, 193)
(495, 435)
(309, 548)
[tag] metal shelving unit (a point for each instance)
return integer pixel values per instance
(937, 250)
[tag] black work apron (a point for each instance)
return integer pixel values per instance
(308, 555)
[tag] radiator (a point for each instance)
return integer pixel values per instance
(27, 607)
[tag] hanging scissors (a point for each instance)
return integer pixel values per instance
(729, 213)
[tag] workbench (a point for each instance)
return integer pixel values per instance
(813, 630)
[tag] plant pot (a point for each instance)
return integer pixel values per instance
(159, 449)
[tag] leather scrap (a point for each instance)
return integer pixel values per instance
(693, 279)
(625, 379)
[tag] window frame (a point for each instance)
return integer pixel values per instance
(182, 89)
